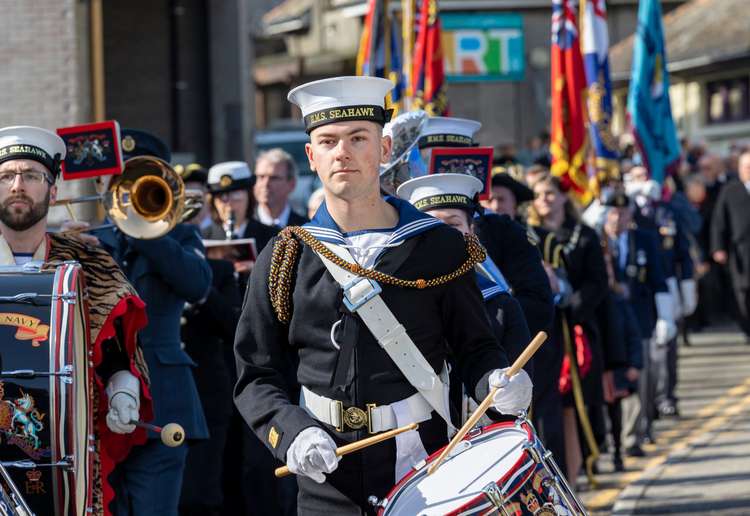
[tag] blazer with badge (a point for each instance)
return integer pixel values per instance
(674, 244)
(730, 231)
(166, 272)
(355, 369)
(642, 275)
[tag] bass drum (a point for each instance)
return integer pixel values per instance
(45, 386)
(500, 469)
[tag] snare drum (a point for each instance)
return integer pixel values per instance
(500, 469)
(45, 417)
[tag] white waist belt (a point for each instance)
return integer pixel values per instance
(377, 418)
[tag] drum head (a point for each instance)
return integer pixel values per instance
(495, 456)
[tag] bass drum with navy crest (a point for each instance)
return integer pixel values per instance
(45, 387)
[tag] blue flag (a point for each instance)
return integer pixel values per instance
(649, 109)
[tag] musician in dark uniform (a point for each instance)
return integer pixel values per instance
(296, 319)
(453, 198)
(730, 238)
(505, 240)
(167, 272)
(207, 330)
(639, 271)
(30, 160)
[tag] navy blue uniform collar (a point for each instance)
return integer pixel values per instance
(490, 280)
(411, 222)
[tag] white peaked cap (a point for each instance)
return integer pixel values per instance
(437, 191)
(228, 175)
(235, 169)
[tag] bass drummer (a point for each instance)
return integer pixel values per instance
(309, 319)
(30, 160)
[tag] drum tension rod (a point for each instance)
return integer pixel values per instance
(66, 462)
(30, 297)
(66, 372)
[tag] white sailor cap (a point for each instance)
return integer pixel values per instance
(341, 99)
(228, 176)
(443, 131)
(34, 143)
(439, 191)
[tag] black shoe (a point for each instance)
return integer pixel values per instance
(619, 466)
(635, 451)
(668, 409)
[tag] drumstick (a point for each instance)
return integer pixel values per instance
(357, 445)
(479, 412)
(172, 434)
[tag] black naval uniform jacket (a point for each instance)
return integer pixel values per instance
(521, 264)
(448, 320)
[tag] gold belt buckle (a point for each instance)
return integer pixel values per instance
(355, 418)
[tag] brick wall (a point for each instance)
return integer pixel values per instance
(44, 72)
(42, 80)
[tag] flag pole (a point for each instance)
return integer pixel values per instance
(407, 35)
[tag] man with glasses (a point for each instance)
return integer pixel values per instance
(30, 160)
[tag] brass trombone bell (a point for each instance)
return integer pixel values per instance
(147, 200)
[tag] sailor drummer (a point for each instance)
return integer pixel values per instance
(371, 355)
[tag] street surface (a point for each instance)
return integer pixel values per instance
(700, 462)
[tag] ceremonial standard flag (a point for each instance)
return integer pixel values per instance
(428, 76)
(568, 135)
(379, 52)
(595, 50)
(649, 109)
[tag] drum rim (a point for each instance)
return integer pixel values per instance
(502, 425)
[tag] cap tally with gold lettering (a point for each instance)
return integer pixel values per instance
(342, 99)
(33, 143)
(440, 191)
(443, 131)
(229, 176)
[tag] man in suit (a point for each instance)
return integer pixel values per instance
(730, 238)
(275, 179)
(167, 272)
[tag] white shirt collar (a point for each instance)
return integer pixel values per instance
(282, 220)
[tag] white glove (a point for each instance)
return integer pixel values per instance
(312, 453)
(123, 391)
(689, 296)
(514, 394)
(674, 291)
(665, 329)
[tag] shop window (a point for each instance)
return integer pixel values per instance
(727, 100)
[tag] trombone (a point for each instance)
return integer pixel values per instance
(147, 200)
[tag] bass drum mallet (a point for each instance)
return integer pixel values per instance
(172, 434)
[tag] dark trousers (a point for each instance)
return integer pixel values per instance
(742, 296)
(615, 417)
(203, 480)
(148, 482)
(667, 376)
(263, 492)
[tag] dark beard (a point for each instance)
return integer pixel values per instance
(24, 220)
